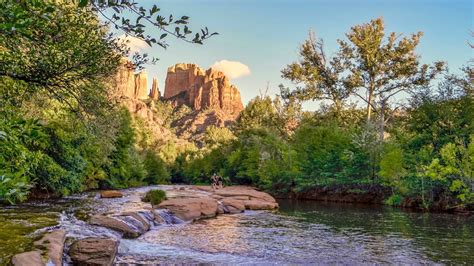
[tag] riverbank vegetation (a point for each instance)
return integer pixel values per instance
(421, 149)
(385, 119)
(59, 131)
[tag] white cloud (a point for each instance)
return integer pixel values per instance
(135, 44)
(232, 69)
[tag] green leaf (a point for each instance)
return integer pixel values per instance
(83, 3)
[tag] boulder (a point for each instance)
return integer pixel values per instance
(32, 258)
(54, 244)
(93, 251)
(127, 230)
(111, 194)
(233, 205)
(189, 209)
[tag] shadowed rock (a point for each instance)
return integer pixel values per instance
(93, 251)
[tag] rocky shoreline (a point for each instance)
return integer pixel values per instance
(183, 204)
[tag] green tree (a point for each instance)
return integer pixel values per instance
(317, 76)
(383, 68)
(392, 171)
(455, 169)
(125, 168)
(156, 169)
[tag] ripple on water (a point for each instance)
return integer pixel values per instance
(262, 237)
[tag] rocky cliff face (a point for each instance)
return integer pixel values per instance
(128, 84)
(211, 89)
(130, 90)
(154, 93)
(209, 94)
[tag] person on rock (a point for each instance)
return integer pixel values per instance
(216, 182)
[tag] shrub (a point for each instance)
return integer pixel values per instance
(155, 196)
(394, 200)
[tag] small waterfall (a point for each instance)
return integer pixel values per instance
(76, 228)
(167, 217)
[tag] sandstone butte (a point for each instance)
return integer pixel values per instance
(213, 100)
(202, 89)
(185, 84)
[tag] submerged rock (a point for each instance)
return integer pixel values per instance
(32, 258)
(93, 251)
(111, 194)
(54, 244)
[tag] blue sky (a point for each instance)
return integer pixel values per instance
(265, 34)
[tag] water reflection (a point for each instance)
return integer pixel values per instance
(310, 232)
(443, 238)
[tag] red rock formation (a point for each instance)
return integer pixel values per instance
(141, 85)
(127, 84)
(154, 93)
(124, 83)
(211, 89)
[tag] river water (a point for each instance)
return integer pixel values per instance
(300, 232)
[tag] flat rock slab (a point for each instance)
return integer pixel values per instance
(111, 194)
(241, 192)
(53, 242)
(189, 209)
(93, 251)
(32, 258)
(257, 204)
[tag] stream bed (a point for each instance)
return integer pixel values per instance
(300, 232)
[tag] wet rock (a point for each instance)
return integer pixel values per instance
(189, 209)
(115, 224)
(93, 251)
(157, 218)
(32, 258)
(221, 209)
(53, 243)
(145, 223)
(111, 194)
(233, 205)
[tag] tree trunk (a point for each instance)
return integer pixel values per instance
(369, 107)
(382, 119)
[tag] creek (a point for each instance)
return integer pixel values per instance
(300, 232)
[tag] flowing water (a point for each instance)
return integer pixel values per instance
(300, 232)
